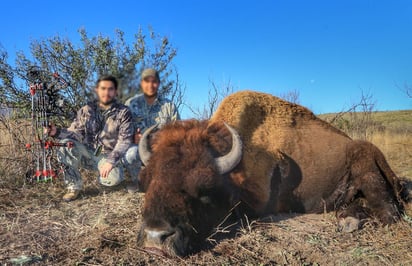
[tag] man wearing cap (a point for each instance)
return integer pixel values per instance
(149, 108)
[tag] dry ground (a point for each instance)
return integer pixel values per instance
(100, 228)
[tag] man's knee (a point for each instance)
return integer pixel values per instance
(132, 155)
(114, 178)
(69, 149)
(75, 153)
(68, 155)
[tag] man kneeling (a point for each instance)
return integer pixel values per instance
(102, 135)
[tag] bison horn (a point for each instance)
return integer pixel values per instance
(144, 151)
(229, 161)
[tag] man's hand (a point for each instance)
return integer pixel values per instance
(137, 136)
(50, 130)
(105, 170)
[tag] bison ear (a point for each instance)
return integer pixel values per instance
(219, 138)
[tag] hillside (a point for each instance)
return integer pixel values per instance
(391, 131)
(390, 120)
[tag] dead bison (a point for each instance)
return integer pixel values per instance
(268, 154)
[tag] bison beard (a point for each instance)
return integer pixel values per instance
(291, 162)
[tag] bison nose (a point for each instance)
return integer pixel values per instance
(157, 236)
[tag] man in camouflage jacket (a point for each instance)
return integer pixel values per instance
(102, 134)
(149, 108)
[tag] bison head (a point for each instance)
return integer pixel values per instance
(188, 189)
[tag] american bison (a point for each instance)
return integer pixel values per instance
(257, 155)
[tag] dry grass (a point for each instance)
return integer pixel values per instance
(392, 134)
(397, 148)
(101, 227)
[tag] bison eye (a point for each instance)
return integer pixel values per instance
(205, 200)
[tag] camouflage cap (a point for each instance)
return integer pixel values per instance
(150, 72)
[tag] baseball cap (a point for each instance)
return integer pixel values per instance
(150, 72)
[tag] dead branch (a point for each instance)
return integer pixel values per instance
(291, 96)
(216, 94)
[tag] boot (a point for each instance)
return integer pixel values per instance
(133, 186)
(71, 194)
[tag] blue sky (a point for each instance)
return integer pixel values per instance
(327, 50)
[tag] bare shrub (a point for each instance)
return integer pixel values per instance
(292, 96)
(13, 157)
(216, 94)
(177, 92)
(357, 120)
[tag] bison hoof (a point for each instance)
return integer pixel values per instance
(348, 224)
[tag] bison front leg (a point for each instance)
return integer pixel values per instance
(351, 217)
(368, 196)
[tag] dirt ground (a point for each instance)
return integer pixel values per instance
(37, 228)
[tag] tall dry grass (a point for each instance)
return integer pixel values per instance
(14, 157)
(390, 131)
(397, 148)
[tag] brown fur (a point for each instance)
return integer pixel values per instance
(311, 160)
(292, 161)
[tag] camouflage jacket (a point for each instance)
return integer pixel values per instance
(111, 129)
(162, 111)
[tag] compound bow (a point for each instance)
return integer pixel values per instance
(46, 101)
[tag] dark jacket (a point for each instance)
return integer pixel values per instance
(111, 129)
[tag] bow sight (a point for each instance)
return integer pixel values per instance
(46, 101)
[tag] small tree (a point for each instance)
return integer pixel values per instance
(80, 63)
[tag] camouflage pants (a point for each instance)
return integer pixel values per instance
(79, 156)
